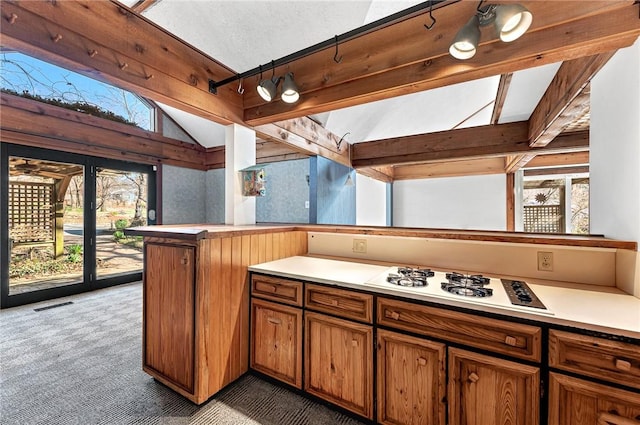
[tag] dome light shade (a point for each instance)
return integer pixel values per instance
(290, 92)
(466, 41)
(512, 20)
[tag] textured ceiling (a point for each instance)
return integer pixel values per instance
(244, 34)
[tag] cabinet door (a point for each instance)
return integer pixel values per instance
(411, 380)
(485, 390)
(169, 324)
(339, 362)
(276, 341)
(574, 401)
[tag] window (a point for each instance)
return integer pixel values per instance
(29, 77)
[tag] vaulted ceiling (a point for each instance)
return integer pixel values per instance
(396, 95)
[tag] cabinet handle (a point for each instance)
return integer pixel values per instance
(422, 361)
(394, 315)
(606, 418)
(274, 288)
(623, 365)
(473, 377)
(274, 320)
(354, 342)
(511, 340)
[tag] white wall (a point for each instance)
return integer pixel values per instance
(371, 201)
(615, 147)
(470, 202)
(615, 159)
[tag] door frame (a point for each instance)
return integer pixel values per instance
(90, 281)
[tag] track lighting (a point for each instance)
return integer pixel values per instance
(290, 92)
(509, 20)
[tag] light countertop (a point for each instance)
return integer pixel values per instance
(602, 309)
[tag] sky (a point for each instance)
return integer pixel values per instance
(21, 73)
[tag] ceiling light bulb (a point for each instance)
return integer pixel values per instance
(267, 89)
(512, 20)
(290, 92)
(466, 41)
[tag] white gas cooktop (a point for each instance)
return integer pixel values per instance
(498, 297)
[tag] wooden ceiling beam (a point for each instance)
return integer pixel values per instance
(107, 41)
(28, 122)
(515, 162)
(142, 5)
(501, 96)
(467, 143)
(315, 146)
(466, 167)
(408, 59)
(383, 174)
(560, 160)
(577, 169)
(565, 99)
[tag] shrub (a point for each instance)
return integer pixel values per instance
(121, 224)
(118, 234)
(74, 249)
(74, 258)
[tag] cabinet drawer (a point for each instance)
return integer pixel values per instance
(574, 401)
(513, 339)
(277, 289)
(343, 303)
(613, 361)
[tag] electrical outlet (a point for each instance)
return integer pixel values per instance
(306, 204)
(360, 246)
(545, 261)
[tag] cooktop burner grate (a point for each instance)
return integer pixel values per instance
(408, 276)
(467, 285)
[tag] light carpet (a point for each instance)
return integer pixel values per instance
(81, 363)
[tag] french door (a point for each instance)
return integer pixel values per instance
(62, 223)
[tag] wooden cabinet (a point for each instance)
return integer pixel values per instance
(512, 339)
(196, 306)
(169, 324)
(339, 362)
(411, 387)
(481, 389)
(276, 341)
(574, 401)
(486, 390)
(613, 361)
(577, 401)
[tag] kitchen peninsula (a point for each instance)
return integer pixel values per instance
(199, 334)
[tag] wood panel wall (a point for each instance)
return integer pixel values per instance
(223, 301)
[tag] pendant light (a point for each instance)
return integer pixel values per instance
(290, 92)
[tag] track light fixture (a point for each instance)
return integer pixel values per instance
(290, 93)
(267, 88)
(509, 20)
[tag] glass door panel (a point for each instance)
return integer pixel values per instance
(46, 224)
(121, 201)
